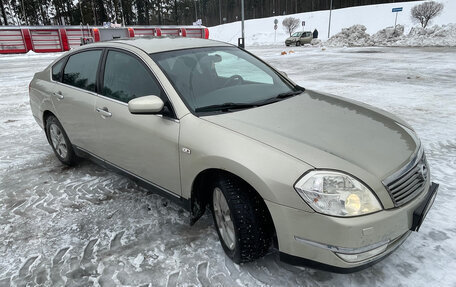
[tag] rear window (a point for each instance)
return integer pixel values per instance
(57, 70)
(81, 70)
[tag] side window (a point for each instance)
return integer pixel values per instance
(126, 78)
(81, 70)
(57, 70)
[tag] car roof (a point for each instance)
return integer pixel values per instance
(162, 44)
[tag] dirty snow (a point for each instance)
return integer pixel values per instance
(86, 226)
(356, 36)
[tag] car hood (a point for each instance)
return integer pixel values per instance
(326, 131)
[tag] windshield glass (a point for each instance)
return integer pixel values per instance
(210, 77)
(297, 34)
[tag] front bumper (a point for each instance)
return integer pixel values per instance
(346, 244)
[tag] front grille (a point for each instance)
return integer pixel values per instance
(409, 184)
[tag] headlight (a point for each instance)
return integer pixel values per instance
(335, 193)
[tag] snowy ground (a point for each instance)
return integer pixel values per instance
(87, 226)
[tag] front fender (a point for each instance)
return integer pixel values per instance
(269, 171)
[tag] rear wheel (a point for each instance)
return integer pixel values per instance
(241, 220)
(59, 141)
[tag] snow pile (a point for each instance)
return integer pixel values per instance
(444, 35)
(316, 42)
(388, 35)
(354, 36)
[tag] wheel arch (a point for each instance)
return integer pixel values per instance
(45, 116)
(200, 192)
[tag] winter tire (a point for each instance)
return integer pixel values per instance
(241, 219)
(298, 43)
(59, 141)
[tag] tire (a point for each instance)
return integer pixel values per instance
(59, 141)
(247, 216)
(298, 43)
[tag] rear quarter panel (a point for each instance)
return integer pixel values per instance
(40, 95)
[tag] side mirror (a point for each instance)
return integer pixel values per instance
(146, 105)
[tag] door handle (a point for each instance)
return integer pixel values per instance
(58, 95)
(104, 112)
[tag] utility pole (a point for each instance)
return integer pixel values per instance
(242, 16)
(241, 41)
(330, 12)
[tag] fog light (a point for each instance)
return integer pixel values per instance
(362, 256)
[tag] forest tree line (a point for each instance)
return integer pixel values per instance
(151, 12)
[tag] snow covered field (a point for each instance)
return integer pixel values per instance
(86, 226)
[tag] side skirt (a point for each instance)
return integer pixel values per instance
(183, 202)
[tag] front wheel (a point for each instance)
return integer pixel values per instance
(59, 141)
(241, 219)
(298, 43)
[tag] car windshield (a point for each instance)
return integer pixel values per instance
(222, 79)
(297, 34)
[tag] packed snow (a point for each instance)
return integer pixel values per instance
(373, 17)
(356, 36)
(87, 226)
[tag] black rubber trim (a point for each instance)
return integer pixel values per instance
(421, 211)
(299, 261)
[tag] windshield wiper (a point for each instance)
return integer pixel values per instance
(278, 98)
(288, 94)
(225, 107)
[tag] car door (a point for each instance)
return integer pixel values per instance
(74, 96)
(145, 145)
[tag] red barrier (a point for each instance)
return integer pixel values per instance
(131, 32)
(12, 41)
(27, 39)
(170, 31)
(96, 35)
(46, 40)
(64, 38)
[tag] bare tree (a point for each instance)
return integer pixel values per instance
(424, 12)
(290, 24)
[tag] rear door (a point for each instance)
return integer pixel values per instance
(144, 145)
(74, 96)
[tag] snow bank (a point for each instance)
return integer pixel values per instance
(434, 36)
(356, 36)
